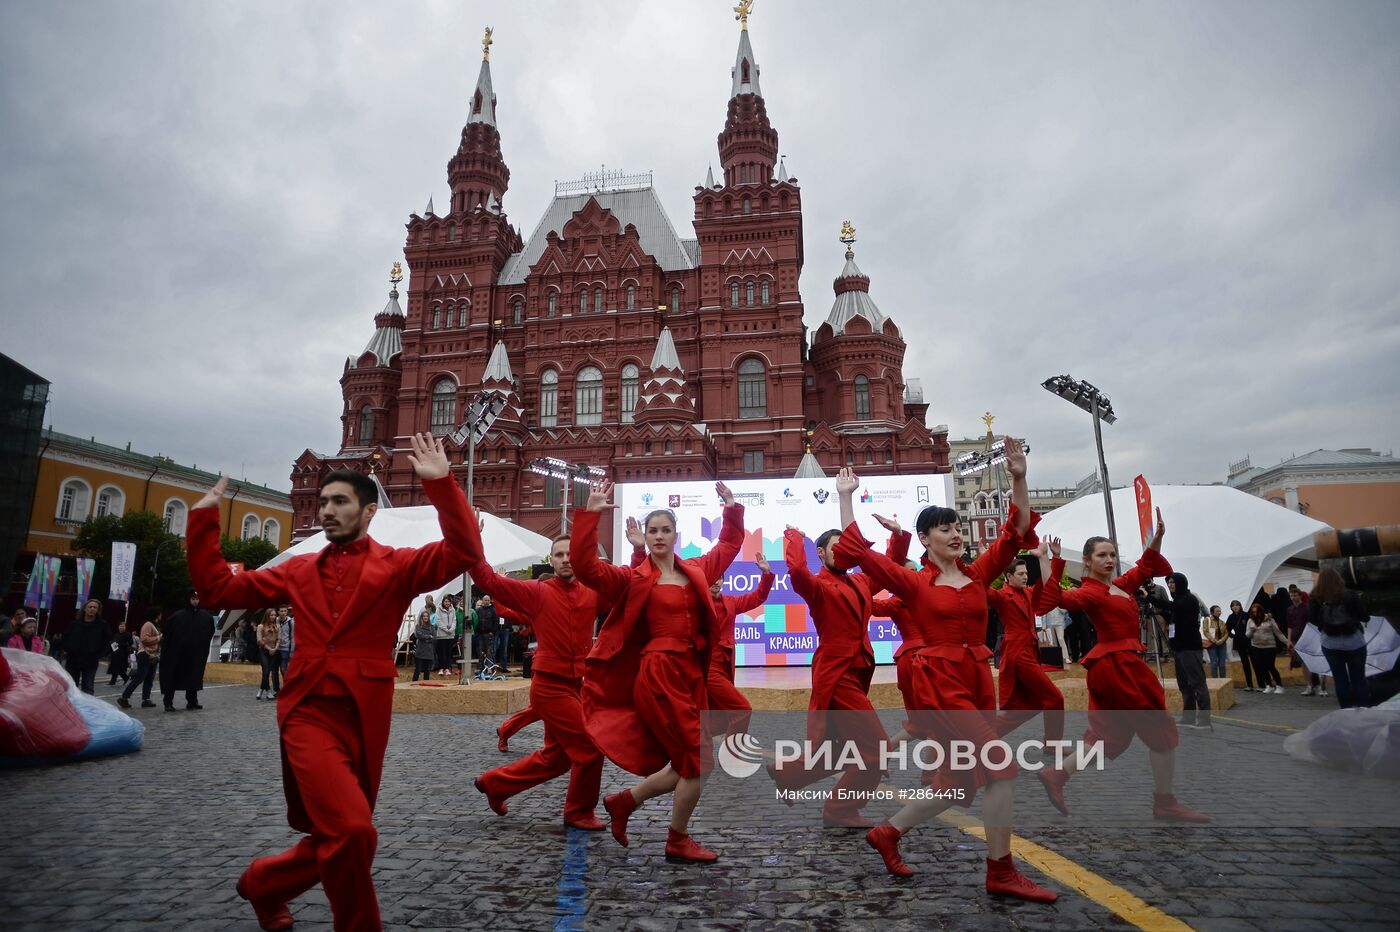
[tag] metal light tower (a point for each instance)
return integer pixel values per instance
(1088, 398)
(568, 473)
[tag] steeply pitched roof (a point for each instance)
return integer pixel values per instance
(487, 113)
(745, 53)
(639, 207)
(387, 341)
(852, 302)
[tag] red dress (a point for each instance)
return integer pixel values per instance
(1023, 687)
(951, 681)
(1119, 680)
(620, 720)
(897, 549)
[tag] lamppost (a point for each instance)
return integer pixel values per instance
(568, 473)
(1088, 398)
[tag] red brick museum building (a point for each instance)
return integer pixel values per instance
(619, 343)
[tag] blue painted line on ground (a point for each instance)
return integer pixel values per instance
(571, 901)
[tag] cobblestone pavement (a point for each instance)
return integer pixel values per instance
(155, 840)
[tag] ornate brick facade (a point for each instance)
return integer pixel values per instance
(621, 344)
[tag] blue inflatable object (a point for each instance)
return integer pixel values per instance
(113, 731)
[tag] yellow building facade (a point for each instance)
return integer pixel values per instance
(81, 478)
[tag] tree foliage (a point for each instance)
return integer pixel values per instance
(161, 575)
(252, 553)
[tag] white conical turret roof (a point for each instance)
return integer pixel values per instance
(745, 54)
(484, 99)
(809, 468)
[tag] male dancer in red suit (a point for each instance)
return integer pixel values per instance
(334, 709)
(1022, 686)
(563, 612)
(842, 668)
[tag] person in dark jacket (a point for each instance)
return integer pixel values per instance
(1184, 613)
(1341, 618)
(488, 624)
(85, 643)
(120, 663)
(184, 651)
(1295, 621)
(1235, 623)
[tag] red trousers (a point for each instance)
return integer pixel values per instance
(1126, 699)
(850, 718)
(1025, 690)
(512, 725)
(725, 696)
(567, 749)
(322, 744)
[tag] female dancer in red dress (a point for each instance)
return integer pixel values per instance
(1125, 698)
(644, 688)
(1022, 685)
(952, 683)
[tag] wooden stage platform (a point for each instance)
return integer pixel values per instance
(769, 689)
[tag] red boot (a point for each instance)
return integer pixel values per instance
(1166, 806)
(588, 823)
(1054, 782)
(620, 806)
(681, 847)
(1004, 880)
(273, 917)
(884, 838)
(497, 803)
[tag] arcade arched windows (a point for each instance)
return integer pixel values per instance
(588, 397)
(753, 388)
(862, 387)
(631, 379)
(110, 501)
(175, 513)
(753, 292)
(73, 501)
(250, 526)
(549, 398)
(443, 416)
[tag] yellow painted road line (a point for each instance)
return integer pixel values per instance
(1244, 721)
(1121, 902)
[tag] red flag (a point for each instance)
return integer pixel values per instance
(1143, 493)
(235, 568)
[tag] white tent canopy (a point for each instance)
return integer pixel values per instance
(1227, 542)
(508, 546)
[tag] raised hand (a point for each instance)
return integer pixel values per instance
(1043, 551)
(634, 534)
(889, 524)
(214, 495)
(761, 562)
(1015, 458)
(1055, 547)
(1156, 542)
(598, 495)
(429, 459)
(846, 481)
(724, 493)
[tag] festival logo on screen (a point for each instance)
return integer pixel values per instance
(673, 501)
(866, 497)
(821, 495)
(923, 493)
(647, 499)
(787, 493)
(749, 499)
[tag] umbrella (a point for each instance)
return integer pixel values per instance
(1382, 648)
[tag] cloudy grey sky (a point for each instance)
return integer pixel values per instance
(1195, 205)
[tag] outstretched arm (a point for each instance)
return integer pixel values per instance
(846, 485)
(747, 603)
(217, 586)
(610, 582)
(795, 556)
(731, 537)
(1020, 492)
(436, 564)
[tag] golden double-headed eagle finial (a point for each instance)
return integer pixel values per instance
(396, 273)
(987, 419)
(486, 45)
(742, 11)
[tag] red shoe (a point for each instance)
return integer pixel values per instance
(681, 847)
(501, 742)
(1166, 806)
(884, 838)
(272, 917)
(588, 823)
(1004, 880)
(848, 819)
(497, 804)
(1054, 782)
(620, 806)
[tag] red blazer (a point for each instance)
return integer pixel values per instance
(729, 606)
(897, 549)
(1017, 608)
(561, 613)
(950, 621)
(1115, 617)
(612, 666)
(841, 606)
(357, 649)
